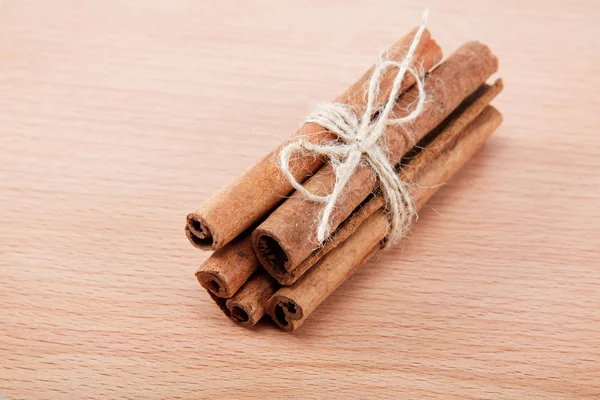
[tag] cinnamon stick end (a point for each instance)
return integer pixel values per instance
(432, 55)
(285, 312)
(271, 254)
(499, 84)
(212, 282)
(483, 50)
(241, 315)
(199, 233)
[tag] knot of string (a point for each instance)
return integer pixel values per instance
(359, 139)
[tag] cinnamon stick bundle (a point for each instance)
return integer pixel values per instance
(247, 199)
(413, 171)
(248, 223)
(291, 305)
(247, 307)
(282, 241)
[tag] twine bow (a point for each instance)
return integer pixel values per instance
(359, 139)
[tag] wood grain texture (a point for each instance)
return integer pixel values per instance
(117, 118)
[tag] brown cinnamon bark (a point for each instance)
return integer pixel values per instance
(286, 237)
(247, 199)
(291, 305)
(228, 268)
(248, 305)
(450, 129)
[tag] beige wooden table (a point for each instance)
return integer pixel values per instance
(119, 117)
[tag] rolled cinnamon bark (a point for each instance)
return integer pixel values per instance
(248, 305)
(228, 268)
(242, 203)
(291, 305)
(448, 131)
(286, 237)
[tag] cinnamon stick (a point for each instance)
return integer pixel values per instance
(224, 272)
(291, 305)
(285, 238)
(242, 203)
(411, 172)
(248, 305)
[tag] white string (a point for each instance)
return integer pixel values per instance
(359, 140)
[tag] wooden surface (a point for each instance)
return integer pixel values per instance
(117, 118)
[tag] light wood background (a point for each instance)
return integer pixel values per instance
(119, 117)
